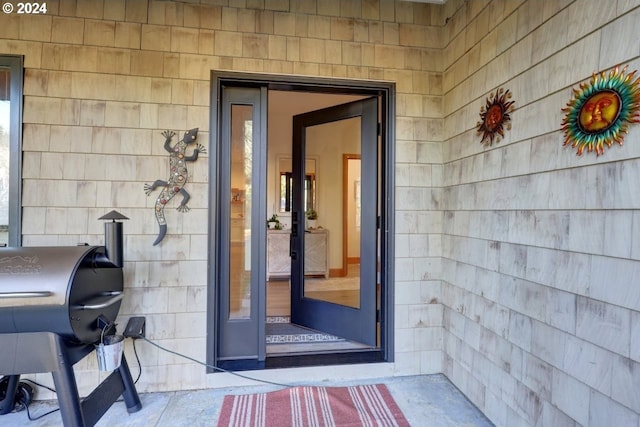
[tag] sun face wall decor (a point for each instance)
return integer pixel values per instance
(495, 116)
(600, 112)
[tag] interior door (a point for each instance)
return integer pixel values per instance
(349, 310)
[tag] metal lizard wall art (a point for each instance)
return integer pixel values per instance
(178, 175)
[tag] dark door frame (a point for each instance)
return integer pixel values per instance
(386, 92)
(15, 65)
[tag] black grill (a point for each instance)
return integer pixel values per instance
(55, 303)
(59, 289)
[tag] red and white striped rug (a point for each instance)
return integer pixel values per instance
(363, 405)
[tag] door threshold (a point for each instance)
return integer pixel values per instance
(285, 338)
(319, 360)
(324, 359)
(316, 347)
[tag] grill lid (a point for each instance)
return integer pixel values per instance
(33, 276)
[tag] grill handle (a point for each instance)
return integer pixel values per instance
(115, 297)
(35, 294)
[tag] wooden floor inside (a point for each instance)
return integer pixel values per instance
(278, 298)
(339, 290)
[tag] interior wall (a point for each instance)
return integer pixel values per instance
(327, 144)
(282, 107)
(541, 301)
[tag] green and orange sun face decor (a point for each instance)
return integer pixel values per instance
(600, 112)
(495, 116)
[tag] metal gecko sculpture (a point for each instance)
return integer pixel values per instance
(177, 178)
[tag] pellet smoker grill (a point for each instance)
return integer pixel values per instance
(56, 304)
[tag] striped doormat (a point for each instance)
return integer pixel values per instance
(363, 405)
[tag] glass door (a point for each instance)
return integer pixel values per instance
(346, 307)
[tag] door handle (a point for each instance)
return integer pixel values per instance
(292, 253)
(294, 224)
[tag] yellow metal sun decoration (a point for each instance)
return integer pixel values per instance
(495, 116)
(600, 112)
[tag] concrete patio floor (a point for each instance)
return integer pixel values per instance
(425, 400)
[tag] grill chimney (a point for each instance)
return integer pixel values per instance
(113, 240)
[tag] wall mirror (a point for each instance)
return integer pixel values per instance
(285, 184)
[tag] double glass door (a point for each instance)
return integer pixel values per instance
(240, 229)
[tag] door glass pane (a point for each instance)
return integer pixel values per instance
(333, 242)
(5, 110)
(240, 208)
